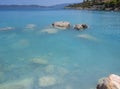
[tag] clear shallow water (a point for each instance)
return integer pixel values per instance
(75, 59)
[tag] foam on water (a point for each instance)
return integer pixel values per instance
(30, 58)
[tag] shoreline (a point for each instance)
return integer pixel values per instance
(94, 9)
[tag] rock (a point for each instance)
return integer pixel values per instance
(50, 68)
(110, 82)
(62, 71)
(50, 31)
(80, 26)
(7, 28)
(2, 76)
(117, 9)
(40, 61)
(61, 24)
(68, 87)
(108, 9)
(47, 81)
(87, 36)
(19, 84)
(30, 26)
(22, 43)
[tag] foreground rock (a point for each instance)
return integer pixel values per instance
(110, 82)
(61, 25)
(80, 26)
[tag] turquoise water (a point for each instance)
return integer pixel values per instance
(31, 49)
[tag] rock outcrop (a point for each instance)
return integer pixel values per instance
(110, 82)
(61, 24)
(80, 26)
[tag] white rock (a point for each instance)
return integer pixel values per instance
(80, 26)
(61, 24)
(47, 81)
(110, 82)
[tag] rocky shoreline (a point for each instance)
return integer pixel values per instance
(101, 6)
(95, 7)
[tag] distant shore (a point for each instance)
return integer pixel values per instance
(93, 8)
(89, 5)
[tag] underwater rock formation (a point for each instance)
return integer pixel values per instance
(80, 26)
(87, 36)
(62, 71)
(61, 25)
(50, 68)
(47, 81)
(110, 82)
(21, 84)
(30, 26)
(7, 28)
(20, 44)
(50, 31)
(39, 61)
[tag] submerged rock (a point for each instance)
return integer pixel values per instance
(50, 31)
(22, 43)
(7, 28)
(80, 26)
(47, 81)
(87, 36)
(62, 71)
(2, 76)
(50, 68)
(40, 61)
(22, 84)
(30, 26)
(68, 87)
(61, 24)
(110, 82)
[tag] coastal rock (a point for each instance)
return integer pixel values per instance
(61, 25)
(80, 26)
(117, 9)
(110, 82)
(108, 9)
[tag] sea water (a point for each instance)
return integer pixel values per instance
(34, 55)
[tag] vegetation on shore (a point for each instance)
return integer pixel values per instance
(97, 5)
